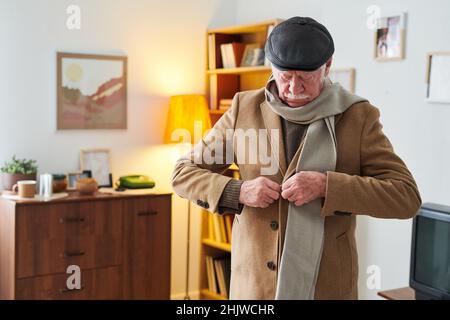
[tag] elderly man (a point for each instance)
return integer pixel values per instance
(294, 230)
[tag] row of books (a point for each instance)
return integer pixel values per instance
(235, 54)
(238, 54)
(218, 271)
(219, 227)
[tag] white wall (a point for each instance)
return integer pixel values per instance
(165, 45)
(419, 131)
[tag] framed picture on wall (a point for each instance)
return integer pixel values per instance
(91, 91)
(345, 77)
(438, 77)
(98, 162)
(390, 37)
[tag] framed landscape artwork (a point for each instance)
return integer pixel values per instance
(92, 91)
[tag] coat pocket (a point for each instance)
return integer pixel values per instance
(346, 263)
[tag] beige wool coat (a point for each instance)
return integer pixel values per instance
(370, 179)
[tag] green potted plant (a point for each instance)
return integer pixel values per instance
(17, 170)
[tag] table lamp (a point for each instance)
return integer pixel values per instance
(184, 111)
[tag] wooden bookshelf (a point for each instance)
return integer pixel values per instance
(211, 247)
(224, 83)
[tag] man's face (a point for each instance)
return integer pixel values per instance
(297, 88)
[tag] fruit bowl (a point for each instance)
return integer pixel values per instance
(87, 185)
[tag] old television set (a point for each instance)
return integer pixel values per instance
(430, 253)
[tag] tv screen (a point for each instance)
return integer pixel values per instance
(430, 272)
(432, 253)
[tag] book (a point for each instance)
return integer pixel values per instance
(211, 53)
(269, 31)
(211, 227)
(209, 274)
(236, 50)
(217, 228)
(220, 277)
(226, 102)
(223, 233)
(228, 225)
(225, 58)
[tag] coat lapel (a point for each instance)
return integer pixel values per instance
(272, 121)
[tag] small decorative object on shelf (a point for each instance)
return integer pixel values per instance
(59, 183)
(73, 177)
(17, 170)
(87, 185)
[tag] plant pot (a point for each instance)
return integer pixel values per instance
(8, 180)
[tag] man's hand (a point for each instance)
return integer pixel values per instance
(304, 187)
(259, 192)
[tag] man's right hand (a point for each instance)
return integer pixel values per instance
(259, 193)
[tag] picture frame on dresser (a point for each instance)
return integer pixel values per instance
(98, 161)
(73, 177)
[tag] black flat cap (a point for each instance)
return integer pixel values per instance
(299, 43)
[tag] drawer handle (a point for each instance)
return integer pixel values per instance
(147, 213)
(71, 220)
(65, 290)
(72, 254)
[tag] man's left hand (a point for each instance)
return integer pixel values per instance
(304, 186)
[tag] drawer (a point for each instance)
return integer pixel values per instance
(50, 256)
(60, 221)
(98, 284)
(147, 248)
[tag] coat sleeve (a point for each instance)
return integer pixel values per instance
(385, 189)
(198, 175)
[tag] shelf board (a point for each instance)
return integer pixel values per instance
(218, 245)
(240, 70)
(246, 28)
(218, 111)
(211, 295)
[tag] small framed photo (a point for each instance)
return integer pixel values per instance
(99, 163)
(253, 56)
(438, 77)
(73, 177)
(390, 37)
(345, 77)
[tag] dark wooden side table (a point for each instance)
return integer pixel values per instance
(406, 293)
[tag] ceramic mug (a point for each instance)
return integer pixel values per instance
(25, 188)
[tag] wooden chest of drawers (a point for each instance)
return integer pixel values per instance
(121, 243)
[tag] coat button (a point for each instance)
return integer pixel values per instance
(271, 265)
(274, 225)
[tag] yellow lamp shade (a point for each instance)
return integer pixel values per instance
(188, 119)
